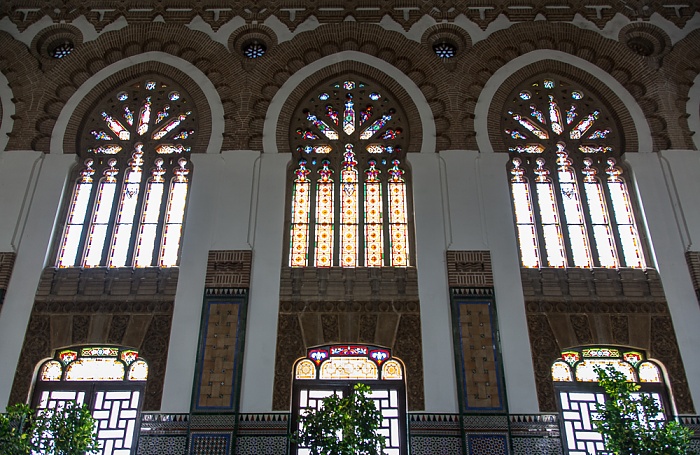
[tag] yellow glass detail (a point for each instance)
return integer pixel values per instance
(306, 370)
(51, 371)
(348, 368)
(561, 371)
(392, 370)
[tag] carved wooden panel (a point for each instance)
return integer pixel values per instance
(229, 269)
(469, 269)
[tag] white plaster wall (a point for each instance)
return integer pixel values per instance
(263, 305)
(18, 172)
(31, 258)
(217, 218)
(669, 250)
(681, 169)
(510, 303)
(429, 217)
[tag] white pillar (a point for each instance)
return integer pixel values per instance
(681, 169)
(33, 241)
(217, 218)
(439, 378)
(263, 305)
(662, 223)
(497, 213)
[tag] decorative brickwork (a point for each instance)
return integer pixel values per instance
(127, 307)
(469, 269)
(292, 14)
(572, 307)
(368, 305)
(228, 269)
(7, 262)
(693, 259)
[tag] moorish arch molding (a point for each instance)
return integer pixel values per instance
(278, 117)
(182, 71)
(491, 102)
(7, 110)
(692, 109)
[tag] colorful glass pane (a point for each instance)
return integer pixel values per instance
(537, 114)
(348, 368)
(101, 135)
(307, 134)
(101, 215)
(116, 127)
(648, 372)
(585, 370)
(601, 352)
(126, 211)
(150, 216)
(597, 207)
(561, 371)
(305, 370)
(376, 126)
(138, 371)
(95, 369)
(51, 371)
(573, 211)
(392, 370)
(599, 134)
(374, 238)
(77, 213)
(555, 116)
(349, 211)
(549, 218)
(163, 114)
(300, 217)
(633, 357)
(584, 125)
(398, 217)
(524, 217)
(571, 114)
(323, 127)
(324, 218)
(171, 125)
(589, 149)
(349, 116)
(530, 148)
(534, 129)
(144, 117)
(332, 114)
(365, 114)
(128, 116)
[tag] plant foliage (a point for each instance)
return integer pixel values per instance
(69, 430)
(343, 426)
(632, 423)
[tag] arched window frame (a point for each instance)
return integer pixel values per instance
(330, 369)
(128, 202)
(573, 206)
(109, 380)
(577, 390)
(350, 200)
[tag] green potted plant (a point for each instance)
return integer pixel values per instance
(343, 426)
(630, 421)
(69, 430)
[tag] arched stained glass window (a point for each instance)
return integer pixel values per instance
(109, 380)
(571, 202)
(578, 393)
(328, 370)
(349, 203)
(128, 203)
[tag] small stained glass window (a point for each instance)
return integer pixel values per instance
(573, 185)
(62, 50)
(254, 49)
(349, 201)
(445, 50)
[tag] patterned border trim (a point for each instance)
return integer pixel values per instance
(693, 260)
(228, 268)
(469, 269)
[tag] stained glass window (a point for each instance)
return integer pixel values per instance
(571, 202)
(336, 369)
(128, 203)
(578, 393)
(109, 380)
(349, 201)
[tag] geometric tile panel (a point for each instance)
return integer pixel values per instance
(212, 421)
(219, 355)
(159, 445)
(210, 444)
(539, 446)
(267, 424)
(479, 369)
(435, 445)
(423, 424)
(487, 444)
(485, 422)
(261, 445)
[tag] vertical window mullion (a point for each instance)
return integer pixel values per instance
(324, 210)
(81, 201)
(299, 232)
(373, 217)
(398, 217)
(174, 216)
(549, 216)
(605, 251)
(526, 217)
(103, 212)
(623, 217)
